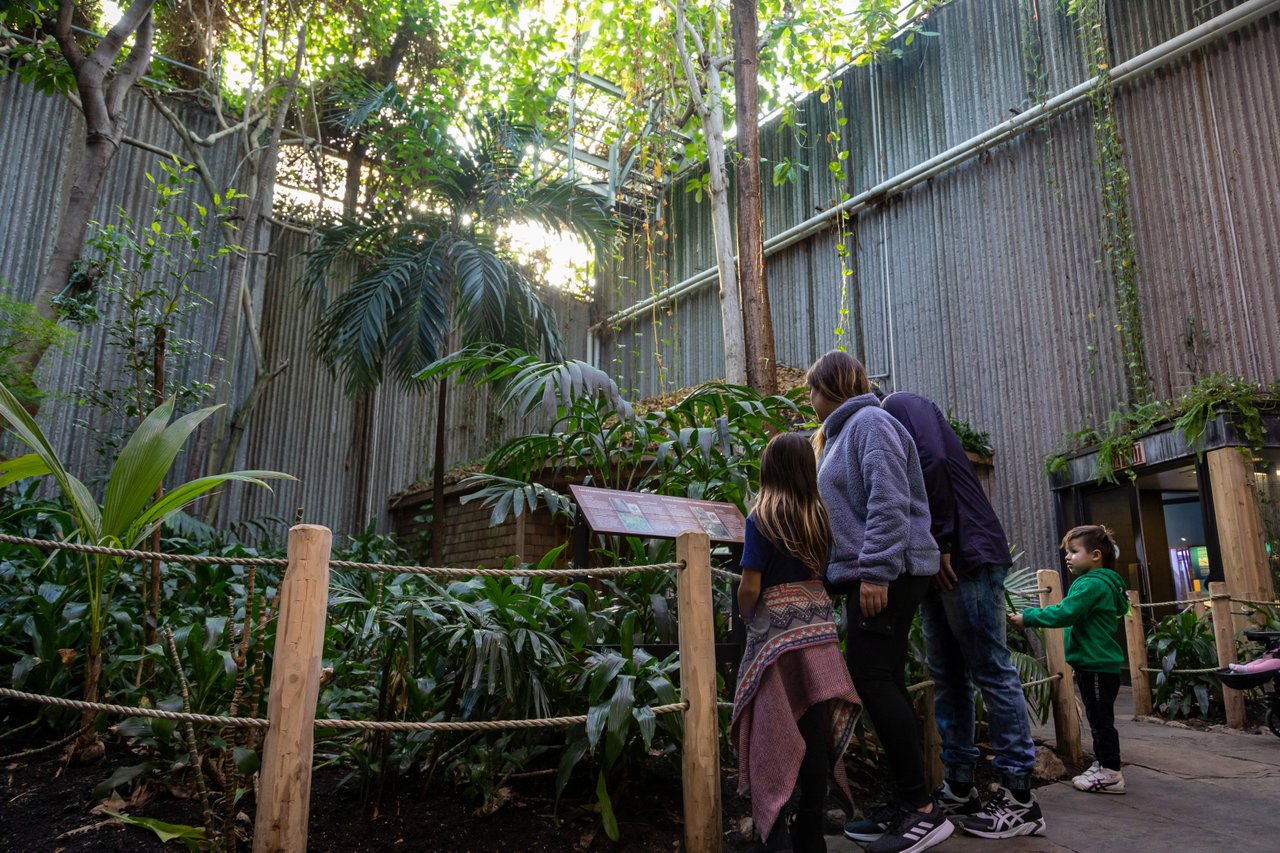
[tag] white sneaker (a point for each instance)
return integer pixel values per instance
(1099, 780)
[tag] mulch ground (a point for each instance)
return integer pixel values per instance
(47, 804)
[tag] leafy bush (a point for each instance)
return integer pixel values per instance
(1190, 414)
(1184, 641)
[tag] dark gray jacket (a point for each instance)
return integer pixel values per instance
(869, 477)
(964, 523)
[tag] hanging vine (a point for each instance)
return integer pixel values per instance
(1119, 254)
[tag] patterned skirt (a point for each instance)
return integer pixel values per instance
(791, 663)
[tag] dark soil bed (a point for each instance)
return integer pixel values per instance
(48, 805)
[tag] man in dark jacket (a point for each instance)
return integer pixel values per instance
(964, 630)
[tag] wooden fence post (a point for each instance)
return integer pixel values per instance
(1224, 638)
(701, 748)
(1066, 716)
(1136, 643)
(284, 792)
(932, 741)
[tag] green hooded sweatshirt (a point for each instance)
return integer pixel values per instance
(1089, 613)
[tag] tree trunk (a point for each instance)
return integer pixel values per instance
(203, 451)
(762, 367)
(735, 357)
(437, 475)
(710, 109)
(100, 150)
(359, 465)
(102, 103)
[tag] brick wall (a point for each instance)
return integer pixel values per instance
(470, 540)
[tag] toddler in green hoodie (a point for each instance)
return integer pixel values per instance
(1089, 613)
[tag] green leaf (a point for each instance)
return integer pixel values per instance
(166, 832)
(606, 808)
(22, 467)
(246, 760)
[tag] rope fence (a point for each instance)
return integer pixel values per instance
(389, 568)
(364, 725)
(1201, 671)
(126, 711)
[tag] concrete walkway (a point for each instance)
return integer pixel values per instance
(1187, 791)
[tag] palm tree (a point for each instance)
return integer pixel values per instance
(433, 271)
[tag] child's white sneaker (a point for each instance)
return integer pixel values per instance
(1099, 780)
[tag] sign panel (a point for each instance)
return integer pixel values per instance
(657, 516)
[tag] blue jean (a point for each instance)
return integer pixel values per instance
(965, 647)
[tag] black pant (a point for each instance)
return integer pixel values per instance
(806, 830)
(876, 651)
(1098, 690)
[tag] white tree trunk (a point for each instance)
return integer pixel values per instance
(709, 107)
(735, 354)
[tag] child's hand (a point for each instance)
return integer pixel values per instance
(1015, 619)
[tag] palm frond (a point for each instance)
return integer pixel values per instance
(482, 280)
(396, 312)
(562, 205)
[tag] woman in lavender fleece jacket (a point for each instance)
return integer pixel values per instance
(883, 557)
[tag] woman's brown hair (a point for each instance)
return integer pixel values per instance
(789, 510)
(837, 376)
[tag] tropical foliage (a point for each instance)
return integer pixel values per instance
(1242, 400)
(129, 511)
(1184, 641)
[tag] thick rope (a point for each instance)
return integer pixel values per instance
(365, 725)
(124, 710)
(1171, 603)
(722, 573)
(1183, 671)
(612, 571)
(1055, 677)
(476, 725)
(193, 559)
(210, 560)
(1253, 603)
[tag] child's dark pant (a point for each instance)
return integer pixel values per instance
(1098, 690)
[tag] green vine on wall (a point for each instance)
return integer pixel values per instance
(1190, 415)
(1119, 253)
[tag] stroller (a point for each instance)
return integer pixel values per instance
(1263, 672)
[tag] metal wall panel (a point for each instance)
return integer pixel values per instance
(983, 287)
(304, 422)
(40, 146)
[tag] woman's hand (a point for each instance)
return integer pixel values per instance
(872, 598)
(1015, 619)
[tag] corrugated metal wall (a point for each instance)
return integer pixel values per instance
(981, 288)
(41, 141)
(304, 424)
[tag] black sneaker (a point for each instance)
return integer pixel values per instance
(913, 831)
(873, 825)
(957, 806)
(1005, 817)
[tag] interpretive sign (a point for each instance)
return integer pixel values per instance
(657, 516)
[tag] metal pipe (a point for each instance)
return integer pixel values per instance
(1140, 65)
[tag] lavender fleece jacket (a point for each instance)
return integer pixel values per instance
(869, 476)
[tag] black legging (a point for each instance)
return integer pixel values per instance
(877, 657)
(806, 831)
